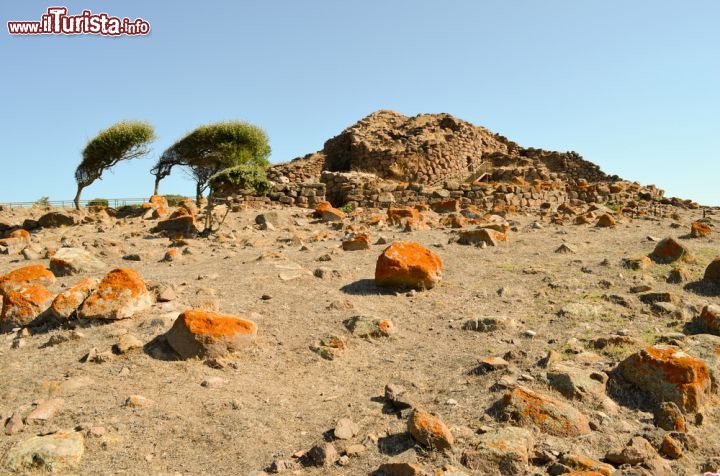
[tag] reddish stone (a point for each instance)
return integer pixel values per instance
(198, 333)
(699, 230)
(670, 250)
(408, 264)
(669, 375)
(429, 430)
(120, 294)
(35, 274)
(525, 407)
(23, 304)
(712, 272)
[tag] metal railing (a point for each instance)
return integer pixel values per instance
(112, 202)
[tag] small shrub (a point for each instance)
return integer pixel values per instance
(174, 199)
(616, 207)
(347, 208)
(42, 202)
(98, 202)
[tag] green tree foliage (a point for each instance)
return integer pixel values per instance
(211, 148)
(122, 141)
(247, 178)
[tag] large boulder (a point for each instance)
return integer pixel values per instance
(70, 261)
(525, 407)
(407, 264)
(34, 274)
(50, 453)
(120, 294)
(205, 334)
(670, 250)
(58, 219)
(712, 272)
(23, 304)
(667, 374)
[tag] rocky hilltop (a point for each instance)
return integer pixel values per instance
(388, 158)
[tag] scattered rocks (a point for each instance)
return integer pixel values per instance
(488, 324)
(45, 410)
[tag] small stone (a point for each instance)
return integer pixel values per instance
(490, 364)
(126, 343)
(138, 401)
(213, 382)
(45, 410)
(323, 454)
(429, 430)
(346, 429)
(671, 448)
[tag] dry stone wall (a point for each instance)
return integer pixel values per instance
(391, 159)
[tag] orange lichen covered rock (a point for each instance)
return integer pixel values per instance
(21, 234)
(399, 216)
(670, 250)
(23, 304)
(120, 294)
(669, 375)
(524, 407)
(606, 220)
(585, 465)
(204, 334)
(699, 230)
(453, 221)
(35, 274)
(326, 212)
(357, 242)
(66, 303)
(429, 430)
(505, 451)
(712, 272)
(408, 264)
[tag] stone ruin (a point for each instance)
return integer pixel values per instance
(388, 159)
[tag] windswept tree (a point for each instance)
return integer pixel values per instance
(212, 148)
(122, 141)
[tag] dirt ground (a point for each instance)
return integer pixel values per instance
(279, 397)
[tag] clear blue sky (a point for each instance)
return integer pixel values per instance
(633, 86)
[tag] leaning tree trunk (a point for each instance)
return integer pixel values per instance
(198, 194)
(77, 197)
(157, 185)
